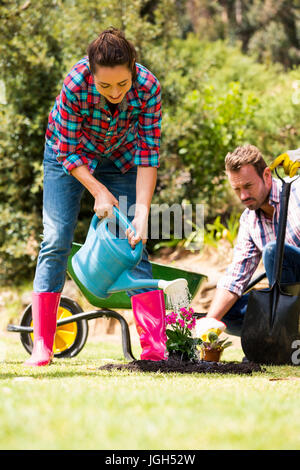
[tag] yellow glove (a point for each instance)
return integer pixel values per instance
(290, 161)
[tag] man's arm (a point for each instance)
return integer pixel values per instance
(231, 286)
(221, 303)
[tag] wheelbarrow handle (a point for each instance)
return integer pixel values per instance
(255, 281)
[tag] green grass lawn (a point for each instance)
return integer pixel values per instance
(73, 405)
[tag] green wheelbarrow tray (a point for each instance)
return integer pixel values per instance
(121, 300)
(105, 308)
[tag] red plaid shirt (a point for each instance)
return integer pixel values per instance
(82, 129)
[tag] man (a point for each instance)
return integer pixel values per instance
(251, 180)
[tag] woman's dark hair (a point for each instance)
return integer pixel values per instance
(111, 48)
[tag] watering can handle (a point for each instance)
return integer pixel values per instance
(119, 216)
(123, 221)
(126, 224)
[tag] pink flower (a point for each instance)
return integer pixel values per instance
(171, 318)
(181, 322)
(187, 313)
(184, 312)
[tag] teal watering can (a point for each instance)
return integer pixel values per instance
(104, 263)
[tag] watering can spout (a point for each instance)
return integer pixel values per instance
(127, 281)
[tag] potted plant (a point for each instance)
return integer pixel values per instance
(211, 347)
(180, 342)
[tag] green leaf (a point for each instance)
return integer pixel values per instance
(172, 334)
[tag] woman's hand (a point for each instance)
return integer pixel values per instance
(104, 199)
(104, 202)
(140, 223)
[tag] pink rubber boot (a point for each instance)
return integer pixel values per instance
(44, 314)
(149, 314)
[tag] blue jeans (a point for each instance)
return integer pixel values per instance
(290, 274)
(61, 205)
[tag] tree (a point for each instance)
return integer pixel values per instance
(214, 97)
(269, 29)
(39, 42)
(30, 59)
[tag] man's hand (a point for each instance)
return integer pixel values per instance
(290, 161)
(208, 323)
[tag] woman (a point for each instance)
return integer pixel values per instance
(103, 135)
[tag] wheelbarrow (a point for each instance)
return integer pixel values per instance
(72, 321)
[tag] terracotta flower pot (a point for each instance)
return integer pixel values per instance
(211, 355)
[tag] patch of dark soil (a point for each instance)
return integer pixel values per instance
(186, 367)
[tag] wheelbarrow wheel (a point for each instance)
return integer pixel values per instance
(69, 339)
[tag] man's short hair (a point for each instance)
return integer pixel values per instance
(245, 155)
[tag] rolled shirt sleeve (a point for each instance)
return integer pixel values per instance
(68, 124)
(149, 130)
